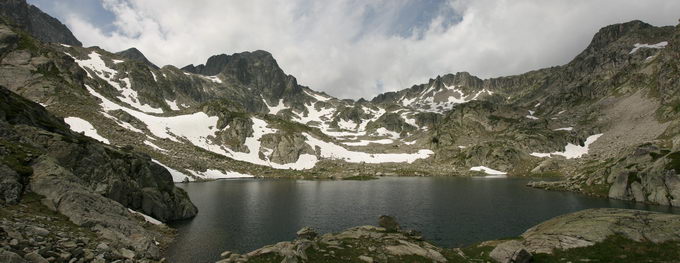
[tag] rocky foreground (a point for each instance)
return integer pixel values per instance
(600, 235)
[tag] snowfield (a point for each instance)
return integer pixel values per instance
(212, 174)
(177, 176)
(128, 95)
(487, 170)
(199, 129)
(571, 151)
(80, 125)
(146, 217)
(638, 46)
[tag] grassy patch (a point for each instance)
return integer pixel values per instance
(656, 156)
(550, 174)
(478, 253)
(26, 42)
(616, 249)
(18, 158)
(674, 162)
(596, 189)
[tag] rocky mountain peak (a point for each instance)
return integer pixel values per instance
(134, 54)
(612, 33)
(35, 22)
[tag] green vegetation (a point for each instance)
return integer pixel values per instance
(633, 177)
(616, 249)
(673, 162)
(31, 207)
(601, 190)
(18, 157)
(26, 42)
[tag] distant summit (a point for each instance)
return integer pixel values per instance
(134, 54)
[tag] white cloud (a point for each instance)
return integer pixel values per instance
(330, 46)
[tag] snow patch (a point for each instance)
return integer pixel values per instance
(382, 131)
(212, 174)
(172, 104)
(334, 151)
(564, 129)
(80, 125)
(571, 151)
(177, 176)
(657, 45)
(128, 95)
(367, 142)
(150, 144)
(316, 96)
(146, 217)
(274, 110)
(214, 79)
(487, 170)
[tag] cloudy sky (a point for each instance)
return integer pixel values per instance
(353, 48)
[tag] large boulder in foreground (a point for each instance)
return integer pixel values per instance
(589, 227)
(65, 194)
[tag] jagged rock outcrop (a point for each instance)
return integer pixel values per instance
(66, 194)
(92, 184)
(35, 22)
(126, 177)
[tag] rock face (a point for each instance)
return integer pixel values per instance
(588, 227)
(64, 193)
(92, 184)
(40, 25)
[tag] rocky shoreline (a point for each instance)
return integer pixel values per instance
(581, 236)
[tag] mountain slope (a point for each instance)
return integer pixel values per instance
(242, 115)
(40, 25)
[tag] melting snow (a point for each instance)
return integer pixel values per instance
(572, 151)
(657, 45)
(382, 131)
(213, 174)
(367, 142)
(487, 170)
(198, 128)
(347, 125)
(316, 96)
(122, 123)
(117, 61)
(146, 217)
(410, 121)
(214, 79)
(172, 104)
(128, 95)
(274, 110)
(531, 115)
(150, 144)
(177, 176)
(334, 151)
(154, 76)
(80, 125)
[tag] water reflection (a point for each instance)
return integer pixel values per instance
(241, 215)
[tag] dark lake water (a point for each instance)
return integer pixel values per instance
(242, 215)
